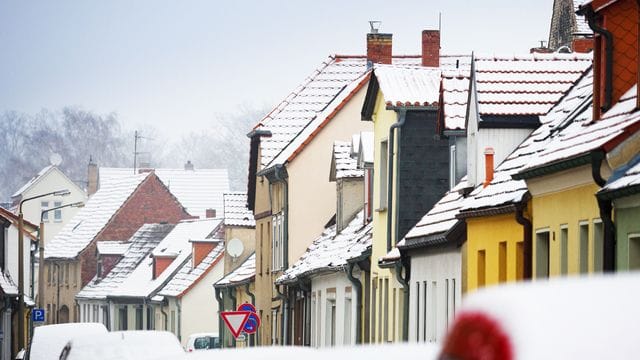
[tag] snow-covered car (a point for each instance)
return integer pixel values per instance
(203, 341)
(593, 317)
(49, 340)
(125, 345)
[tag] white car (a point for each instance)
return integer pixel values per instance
(203, 341)
(49, 340)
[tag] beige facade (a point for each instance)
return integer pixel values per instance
(248, 237)
(62, 283)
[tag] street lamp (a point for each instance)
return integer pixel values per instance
(21, 312)
(41, 250)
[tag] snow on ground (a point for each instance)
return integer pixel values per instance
(49, 340)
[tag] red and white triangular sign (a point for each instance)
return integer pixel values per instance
(235, 320)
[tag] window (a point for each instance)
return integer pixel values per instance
(318, 319)
(634, 251)
(96, 313)
(384, 171)
(122, 318)
(66, 274)
(446, 304)
(482, 266)
(564, 250)
(44, 205)
(57, 214)
(502, 261)
(260, 247)
(173, 321)
(417, 311)
(434, 308)
(150, 318)
(49, 271)
(74, 274)
(584, 248)
(139, 318)
(386, 309)
(542, 254)
(277, 261)
(61, 270)
(347, 318)
(105, 317)
(48, 315)
(424, 311)
(330, 322)
(598, 245)
(519, 262)
(368, 191)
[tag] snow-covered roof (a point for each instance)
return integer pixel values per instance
(342, 164)
(408, 86)
(365, 153)
(584, 135)
(440, 219)
(327, 87)
(503, 189)
(188, 275)
(140, 245)
(455, 95)
(330, 252)
(624, 177)
(236, 212)
(112, 247)
(528, 84)
(41, 175)
(243, 274)
(582, 26)
(197, 190)
(140, 282)
(7, 284)
(93, 217)
(391, 257)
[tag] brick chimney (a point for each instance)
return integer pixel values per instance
(378, 47)
(188, 165)
(92, 177)
(210, 213)
(615, 24)
(201, 248)
(161, 263)
(488, 165)
(431, 48)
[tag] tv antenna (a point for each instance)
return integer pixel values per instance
(135, 149)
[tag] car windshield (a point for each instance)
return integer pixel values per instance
(207, 342)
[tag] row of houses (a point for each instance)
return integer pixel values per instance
(385, 188)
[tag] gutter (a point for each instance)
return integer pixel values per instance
(591, 17)
(390, 172)
(164, 313)
(527, 228)
(283, 325)
(357, 284)
(179, 306)
(220, 299)
(606, 208)
(399, 265)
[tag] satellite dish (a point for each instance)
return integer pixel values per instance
(235, 248)
(55, 159)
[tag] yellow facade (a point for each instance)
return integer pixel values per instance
(565, 215)
(386, 291)
(494, 250)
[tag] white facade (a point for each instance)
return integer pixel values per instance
(11, 256)
(435, 293)
(333, 311)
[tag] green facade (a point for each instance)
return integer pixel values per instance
(627, 219)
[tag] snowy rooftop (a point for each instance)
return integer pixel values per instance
(236, 212)
(503, 190)
(525, 84)
(140, 283)
(365, 150)
(93, 217)
(390, 257)
(626, 176)
(32, 181)
(197, 190)
(408, 86)
(112, 247)
(243, 274)
(188, 275)
(7, 285)
(583, 135)
(140, 245)
(330, 252)
(440, 219)
(455, 95)
(582, 27)
(298, 117)
(342, 164)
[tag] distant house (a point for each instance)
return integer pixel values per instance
(200, 191)
(9, 277)
(114, 213)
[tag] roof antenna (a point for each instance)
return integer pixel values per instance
(440, 22)
(375, 26)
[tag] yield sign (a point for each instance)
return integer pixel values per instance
(235, 320)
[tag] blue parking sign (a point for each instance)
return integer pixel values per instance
(37, 315)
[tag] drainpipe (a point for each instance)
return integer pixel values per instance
(357, 285)
(402, 118)
(220, 298)
(608, 81)
(164, 314)
(606, 208)
(285, 307)
(179, 306)
(528, 239)
(234, 306)
(247, 286)
(399, 265)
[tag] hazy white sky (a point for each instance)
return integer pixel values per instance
(175, 64)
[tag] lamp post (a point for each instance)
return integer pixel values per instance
(21, 311)
(41, 249)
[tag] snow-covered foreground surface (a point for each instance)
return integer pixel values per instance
(48, 341)
(594, 317)
(126, 345)
(368, 352)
